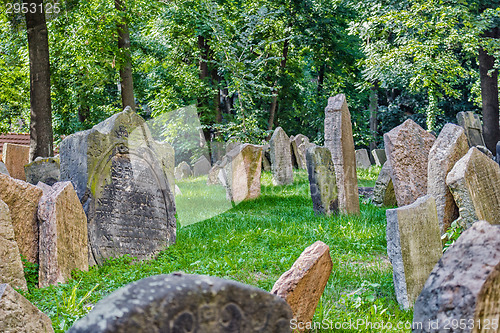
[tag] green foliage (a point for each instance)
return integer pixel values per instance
(451, 235)
(30, 273)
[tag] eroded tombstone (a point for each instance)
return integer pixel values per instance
(299, 146)
(281, 158)
(183, 170)
(413, 246)
(362, 159)
(45, 170)
(407, 147)
(450, 146)
(119, 173)
(201, 166)
(464, 286)
(3, 169)
(15, 158)
(474, 182)
(339, 139)
(472, 126)
(322, 181)
(379, 156)
(187, 303)
(383, 192)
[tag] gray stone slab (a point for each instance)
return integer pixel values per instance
(362, 159)
(3, 169)
(322, 180)
(183, 170)
(201, 166)
(472, 126)
(45, 170)
(383, 192)
(379, 156)
(281, 158)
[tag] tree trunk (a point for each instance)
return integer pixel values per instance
(274, 101)
(373, 117)
(41, 137)
(203, 62)
(321, 78)
(126, 80)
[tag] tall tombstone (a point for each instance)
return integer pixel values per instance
(450, 146)
(339, 139)
(281, 158)
(379, 156)
(472, 126)
(464, 286)
(120, 175)
(201, 166)
(187, 303)
(407, 148)
(414, 247)
(45, 170)
(322, 181)
(299, 146)
(362, 159)
(15, 158)
(474, 182)
(383, 192)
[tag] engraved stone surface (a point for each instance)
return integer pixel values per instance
(299, 145)
(414, 247)
(281, 158)
(45, 170)
(383, 192)
(474, 182)
(183, 170)
(15, 158)
(339, 139)
(18, 315)
(472, 126)
(362, 159)
(121, 177)
(407, 147)
(22, 199)
(187, 303)
(464, 285)
(3, 169)
(303, 284)
(379, 156)
(322, 181)
(201, 167)
(11, 267)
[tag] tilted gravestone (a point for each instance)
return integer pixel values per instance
(450, 146)
(407, 147)
(299, 145)
(45, 170)
(379, 156)
(183, 170)
(121, 177)
(472, 126)
(362, 159)
(339, 139)
(201, 167)
(281, 158)
(383, 192)
(462, 290)
(187, 303)
(15, 158)
(3, 169)
(322, 181)
(474, 182)
(414, 247)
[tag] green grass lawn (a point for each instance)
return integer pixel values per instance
(254, 243)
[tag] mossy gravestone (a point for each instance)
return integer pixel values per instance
(121, 177)
(281, 158)
(322, 181)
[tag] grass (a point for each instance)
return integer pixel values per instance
(254, 243)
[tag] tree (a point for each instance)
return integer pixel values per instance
(125, 66)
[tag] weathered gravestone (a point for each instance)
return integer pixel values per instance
(339, 139)
(213, 174)
(266, 157)
(472, 126)
(183, 170)
(464, 286)
(379, 156)
(407, 147)
(45, 170)
(11, 267)
(414, 247)
(383, 192)
(474, 182)
(450, 146)
(299, 145)
(63, 234)
(187, 303)
(281, 158)
(303, 284)
(120, 175)
(15, 158)
(3, 169)
(22, 199)
(362, 159)
(201, 166)
(322, 181)
(231, 144)
(17, 314)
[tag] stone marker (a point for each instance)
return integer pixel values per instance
(15, 158)
(187, 303)
(338, 138)
(474, 182)
(266, 157)
(379, 156)
(201, 167)
(362, 159)
(63, 234)
(414, 247)
(11, 267)
(450, 146)
(231, 144)
(299, 145)
(120, 174)
(213, 174)
(45, 170)
(322, 181)
(3, 169)
(22, 199)
(183, 170)
(383, 192)
(472, 126)
(17, 314)
(407, 147)
(464, 285)
(281, 158)
(303, 284)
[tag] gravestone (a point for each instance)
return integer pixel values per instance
(45, 170)
(450, 146)
(322, 181)
(379, 156)
(231, 144)
(63, 234)
(362, 159)
(266, 157)
(22, 199)
(11, 267)
(201, 167)
(413, 246)
(217, 151)
(472, 126)
(339, 139)
(474, 182)
(17, 314)
(213, 174)
(281, 158)
(407, 148)
(187, 303)
(120, 175)
(3, 169)
(486, 151)
(183, 170)
(299, 146)
(383, 192)
(15, 158)
(303, 284)
(464, 286)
